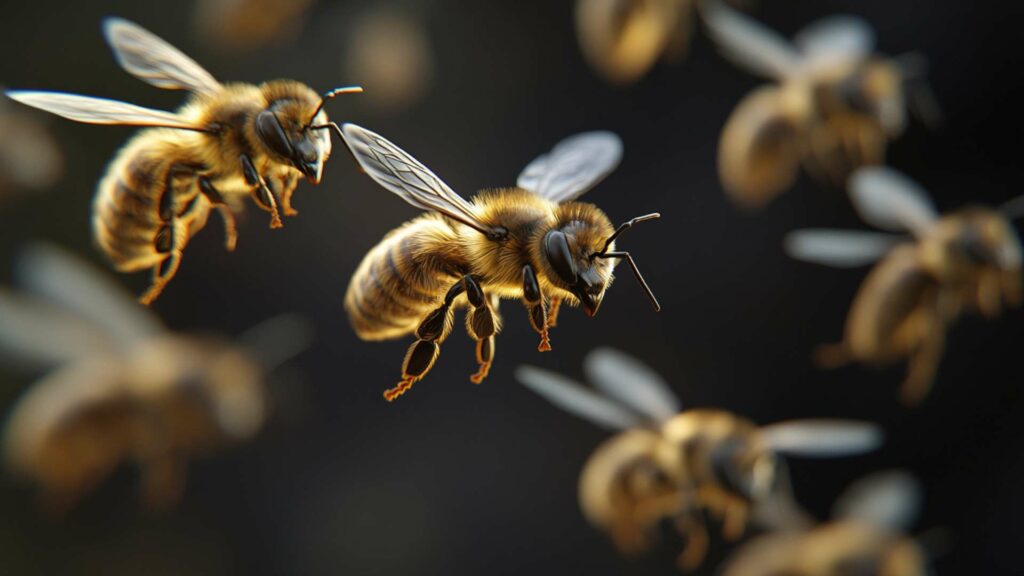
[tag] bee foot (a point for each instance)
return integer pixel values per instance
(545, 343)
(399, 389)
(482, 373)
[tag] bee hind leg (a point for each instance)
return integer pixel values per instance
(482, 324)
(924, 364)
(692, 528)
(534, 300)
(167, 241)
(215, 198)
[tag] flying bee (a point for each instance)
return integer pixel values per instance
(670, 464)
(120, 387)
(866, 536)
(30, 156)
(225, 143)
(833, 107)
(531, 242)
(244, 25)
(968, 260)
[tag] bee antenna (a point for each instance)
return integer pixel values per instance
(333, 125)
(329, 95)
(604, 253)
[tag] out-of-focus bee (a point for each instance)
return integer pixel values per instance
(30, 156)
(833, 106)
(121, 388)
(227, 142)
(531, 242)
(967, 260)
(243, 25)
(866, 537)
(669, 464)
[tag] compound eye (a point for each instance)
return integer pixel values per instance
(272, 134)
(556, 247)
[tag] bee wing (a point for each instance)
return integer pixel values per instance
(889, 499)
(574, 166)
(400, 173)
(35, 334)
(100, 110)
(822, 438)
(839, 248)
(54, 274)
(576, 399)
(631, 382)
(153, 60)
(749, 44)
(841, 37)
(889, 200)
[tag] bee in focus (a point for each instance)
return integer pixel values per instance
(675, 465)
(531, 242)
(120, 388)
(243, 25)
(833, 105)
(968, 260)
(227, 142)
(866, 537)
(30, 156)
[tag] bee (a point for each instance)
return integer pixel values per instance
(866, 536)
(622, 39)
(531, 242)
(243, 25)
(225, 143)
(389, 50)
(119, 387)
(968, 260)
(669, 464)
(30, 156)
(833, 107)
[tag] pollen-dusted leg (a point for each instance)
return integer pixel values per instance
(433, 329)
(215, 198)
(287, 189)
(168, 237)
(261, 193)
(482, 325)
(534, 301)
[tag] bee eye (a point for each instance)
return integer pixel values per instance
(556, 248)
(272, 134)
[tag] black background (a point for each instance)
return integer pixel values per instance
(456, 478)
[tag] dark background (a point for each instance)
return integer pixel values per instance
(460, 479)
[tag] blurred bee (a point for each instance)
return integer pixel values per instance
(121, 388)
(967, 260)
(225, 143)
(833, 108)
(243, 25)
(30, 156)
(669, 464)
(866, 537)
(530, 242)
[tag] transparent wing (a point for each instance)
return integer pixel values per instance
(888, 499)
(54, 274)
(153, 60)
(749, 44)
(397, 171)
(574, 166)
(841, 37)
(889, 200)
(839, 248)
(278, 339)
(822, 438)
(631, 382)
(35, 334)
(577, 399)
(99, 110)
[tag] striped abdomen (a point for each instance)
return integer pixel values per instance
(403, 278)
(126, 210)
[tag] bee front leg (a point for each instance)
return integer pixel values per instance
(261, 193)
(422, 354)
(287, 189)
(556, 304)
(215, 198)
(482, 324)
(534, 301)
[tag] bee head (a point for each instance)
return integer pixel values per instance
(977, 238)
(293, 127)
(576, 255)
(741, 468)
(875, 89)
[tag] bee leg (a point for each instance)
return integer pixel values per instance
(286, 195)
(734, 520)
(482, 326)
(163, 481)
(422, 354)
(167, 237)
(215, 198)
(261, 193)
(556, 303)
(691, 526)
(534, 301)
(924, 361)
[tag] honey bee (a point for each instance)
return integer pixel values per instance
(531, 242)
(226, 142)
(670, 464)
(120, 387)
(866, 536)
(833, 107)
(967, 260)
(30, 156)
